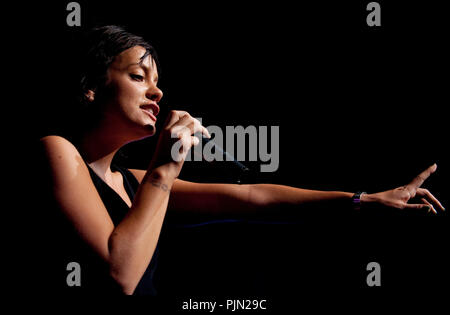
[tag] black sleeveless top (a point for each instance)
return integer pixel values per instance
(55, 242)
(117, 209)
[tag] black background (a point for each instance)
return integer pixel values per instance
(359, 108)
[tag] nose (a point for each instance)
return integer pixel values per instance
(154, 93)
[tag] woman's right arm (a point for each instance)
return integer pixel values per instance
(128, 247)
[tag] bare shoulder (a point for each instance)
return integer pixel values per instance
(62, 156)
(75, 193)
(57, 142)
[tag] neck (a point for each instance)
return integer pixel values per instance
(98, 147)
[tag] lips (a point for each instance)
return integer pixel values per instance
(151, 110)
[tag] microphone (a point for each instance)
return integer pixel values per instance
(229, 157)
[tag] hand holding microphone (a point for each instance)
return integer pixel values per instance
(175, 141)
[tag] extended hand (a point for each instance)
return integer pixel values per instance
(399, 197)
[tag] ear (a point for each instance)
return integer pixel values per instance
(90, 95)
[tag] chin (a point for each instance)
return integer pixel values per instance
(147, 130)
(151, 129)
(140, 129)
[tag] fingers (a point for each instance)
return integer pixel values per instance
(181, 148)
(416, 206)
(173, 117)
(206, 132)
(426, 193)
(425, 205)
(182, 126)
(431, 208)
(181, 121)
(418, 181)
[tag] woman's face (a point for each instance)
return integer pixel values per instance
(131, 94)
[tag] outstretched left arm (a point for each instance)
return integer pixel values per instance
(218, 200)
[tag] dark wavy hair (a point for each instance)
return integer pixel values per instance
(90, 54)
(100, 46)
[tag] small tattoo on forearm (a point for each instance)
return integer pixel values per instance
(159, 185)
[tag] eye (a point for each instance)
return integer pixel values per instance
(137, 77)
